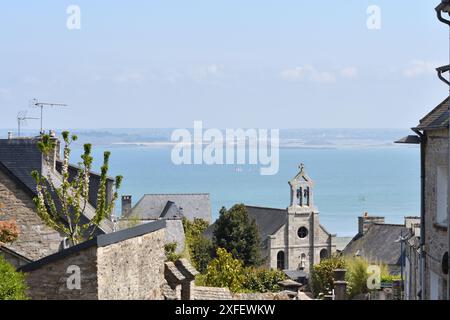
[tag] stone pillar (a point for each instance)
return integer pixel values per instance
(340, 285)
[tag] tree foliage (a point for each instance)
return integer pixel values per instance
(263, 280)
(356, 275)
(62, 204)
(12, 283)
(170, 251)
(322, 275)
(9, 230)
(224, 271)
(200, 249)
(238, 234)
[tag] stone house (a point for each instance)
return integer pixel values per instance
(380, 242)
(432, 135)
(169, 207)
(292, 238)
(127, 264)
(18, 158)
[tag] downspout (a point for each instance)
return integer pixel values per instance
(422, 255)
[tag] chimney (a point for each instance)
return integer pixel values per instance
(366, 221)
(411, 222)
(54, 155)
(126, 205)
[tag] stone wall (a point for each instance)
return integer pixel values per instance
(132, 269)
(50, 281)
(436, 240)
(36, 240)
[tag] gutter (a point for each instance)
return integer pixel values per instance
(423, 140)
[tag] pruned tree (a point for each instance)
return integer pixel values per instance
(62, 204)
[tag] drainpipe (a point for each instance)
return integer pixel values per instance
(423, 140)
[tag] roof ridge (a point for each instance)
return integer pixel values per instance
(267, 208)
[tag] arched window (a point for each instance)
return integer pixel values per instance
(445, 263)
(302, 264)
(302, 232)
(280, 260)
(323, 254)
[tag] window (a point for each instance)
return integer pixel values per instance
(441, 194)
(445, 263)
(302, 262)
(280, 260)
(302, 232)
(323, 254)
(300, 197)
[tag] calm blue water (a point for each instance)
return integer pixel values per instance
(381, 181)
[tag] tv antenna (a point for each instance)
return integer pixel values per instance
(22, 120)
(42, 105)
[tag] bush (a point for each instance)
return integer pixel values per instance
(12, 283)
(262, 280)
(199, 249)
(356, 276)
(170, 251)
(322, 274)
(224, 271)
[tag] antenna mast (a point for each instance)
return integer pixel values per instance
(22, 119)
(38, 104)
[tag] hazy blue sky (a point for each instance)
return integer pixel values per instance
(230, 63)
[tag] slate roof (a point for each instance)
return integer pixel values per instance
(193, 205)
(436, 119)
(171, 211)
(268, 220)
(20, 157)
(378, 244)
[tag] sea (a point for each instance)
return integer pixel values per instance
(354, 171)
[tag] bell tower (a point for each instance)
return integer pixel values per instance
(302, 193)
(302, 223)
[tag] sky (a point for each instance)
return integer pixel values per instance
(229, 63)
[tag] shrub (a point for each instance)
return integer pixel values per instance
(199, 249)
(356, 276)
(223, 271)
(170, 251)
(12, 283)
(322, 274)
(262, 280)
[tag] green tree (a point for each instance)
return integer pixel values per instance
(224, 271)
(12, 283)
(62, 204)
(238, 234)
(200, 249)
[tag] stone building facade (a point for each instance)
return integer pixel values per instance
(436, 240)
(127, 264)
(292, 238)
(432, 268)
